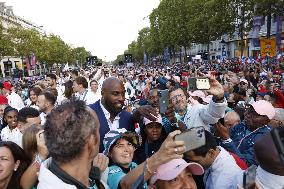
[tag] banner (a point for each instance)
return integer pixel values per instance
(27, 61)
(268, 47)
(257, 23)
(278, 30)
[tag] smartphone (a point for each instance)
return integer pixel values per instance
(249, 177)
(198, 84)
(193, 138)
(163, 96)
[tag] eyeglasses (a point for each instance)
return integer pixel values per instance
(179, 96)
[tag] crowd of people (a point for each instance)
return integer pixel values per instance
(102, 127)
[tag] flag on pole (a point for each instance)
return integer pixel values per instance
(27, 63)
(33, 60)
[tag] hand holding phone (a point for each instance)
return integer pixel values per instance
(198, 84)
(193, 138)
(163, 96)
(249, 177)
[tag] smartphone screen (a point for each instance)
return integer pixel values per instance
(249, 177)
(193, 138)
(191, 84)
(202, 84)
(163, 96)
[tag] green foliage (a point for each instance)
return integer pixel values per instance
(49, 49)
(6, 45)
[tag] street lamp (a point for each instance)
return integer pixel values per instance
(248, 42)
(223, 42)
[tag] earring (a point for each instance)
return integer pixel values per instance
(15, 169)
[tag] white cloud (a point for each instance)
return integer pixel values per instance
(104, 27)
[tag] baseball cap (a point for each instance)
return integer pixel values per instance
(3, 100)
(113, 135)
(263, 107)
(173, 168)
(199, 94)
(7, 85)
(147, 121)
(208, 99)
(243, 80)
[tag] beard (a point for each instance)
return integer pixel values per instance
(180, 108)
(112, 108)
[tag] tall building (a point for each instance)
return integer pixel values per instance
(8, 19)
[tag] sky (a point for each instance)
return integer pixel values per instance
(104, 27)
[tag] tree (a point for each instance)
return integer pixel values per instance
(156, 47)
(172, 19)
(25, 41)
(80, 54)
(6, 47)
(133, 49)
(269, 8)
(209, 20)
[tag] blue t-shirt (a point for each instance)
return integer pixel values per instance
(116, 173)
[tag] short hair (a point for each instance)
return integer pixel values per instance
(211, 143)
(176, 88)
(52, 76)
(27, 112)
(18, 154)
(94, 81)
(49, 96)
(75, 72)
(66, 129)
(82, 81)
(36, 90)
(29, 140)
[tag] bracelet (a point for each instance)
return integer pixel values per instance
(147, 167)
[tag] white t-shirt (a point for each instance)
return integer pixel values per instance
(14, 135)
(15, 101)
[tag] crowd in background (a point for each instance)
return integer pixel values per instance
(101, 127)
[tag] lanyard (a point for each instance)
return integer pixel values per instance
(249, 135)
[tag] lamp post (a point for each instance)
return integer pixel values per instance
(223, 42)
(248, 42)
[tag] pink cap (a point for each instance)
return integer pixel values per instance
(199, 94)
(173, 168)
(244, 80)
(263, 107)
(208, 99)
(147, 121)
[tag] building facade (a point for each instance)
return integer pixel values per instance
(9, 65)
(230, 46)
